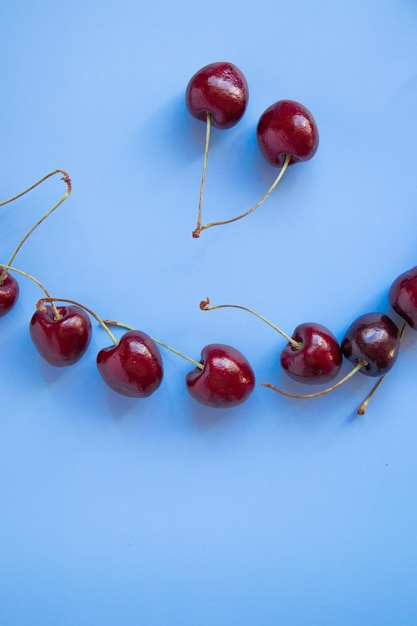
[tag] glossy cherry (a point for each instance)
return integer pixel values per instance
(133, 367)
(316, 359)
(375, 339)
(225, 380)
(61, 340)
(403, 296)
(287, 128)
(219, 89)
(9, 293)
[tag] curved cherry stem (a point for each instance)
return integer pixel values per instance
(68, 182)
(38, 182)
(306, 396)
(205, 306)
(198, 228)
(255, 206)
(9, 268)
(40, 305)
(364, 405)
(158, 341)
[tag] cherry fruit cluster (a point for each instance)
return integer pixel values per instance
(131, 366)
(287, 133)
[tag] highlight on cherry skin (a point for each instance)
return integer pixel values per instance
(403, 296)
(372, 338)
(218, 92)
(286, 133)
(316, 359)
(287, 128)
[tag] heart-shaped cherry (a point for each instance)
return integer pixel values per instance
(60, 334)
(9, 293)
(225, 380)
(403, 296)
(133, 367)
(316, 359)
(219, 89)
(374, 339)
(287, 128)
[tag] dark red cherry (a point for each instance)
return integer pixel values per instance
(287, 127)
(220, 89)
(403, 296)
(9, 293)
(61, 341)
(133, 367)
(317, 360)
(375, 339)
(226, 379)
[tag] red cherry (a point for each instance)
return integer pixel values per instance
(9, 293)
(403, 296)
(226, 379)
(375, 339)
(61, 341)
(219, 89)
(317, 359)
(287, 127)
(133, 367)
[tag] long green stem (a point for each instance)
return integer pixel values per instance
(318, 393)
(205, 306)
(255, 206)
(41, 304)
(198, 228)
(158, 341)
(67, 180)
(38, 182)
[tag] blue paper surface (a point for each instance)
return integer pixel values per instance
(163, 512)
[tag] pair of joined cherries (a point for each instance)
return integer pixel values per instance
(287, 133)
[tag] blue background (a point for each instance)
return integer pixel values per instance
(162, 512)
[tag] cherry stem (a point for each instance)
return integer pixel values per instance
(255, 206)
(205, 306)
(38, 182)
(68, 182)
(364, 405)
(40, 305)
(198, 228)
(9, 268)
(158, 341)
(356, 369)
